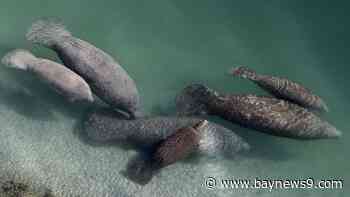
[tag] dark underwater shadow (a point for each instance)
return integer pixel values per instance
(34, 99)
(24, 101)
(141, 169)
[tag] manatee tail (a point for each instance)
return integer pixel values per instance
(19, 59)
(243, 72)
(331, 131)
(47, 32)
(192, 100)
(323, 105)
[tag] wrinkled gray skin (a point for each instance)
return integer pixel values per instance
(283, 88)
(266, 114)
(64, 81)
(215, 140)
(106, 77)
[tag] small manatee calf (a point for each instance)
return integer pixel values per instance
(214, 140)
(270, 115)
(283, 88)
(60, 78)
(107, 79)
(178, 145)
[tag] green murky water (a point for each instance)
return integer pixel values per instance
(164, 45)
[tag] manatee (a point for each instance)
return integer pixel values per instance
(263, 113)
(178, 145)
(61, 79)
(214, 140)
(107, 79)
(283, 88)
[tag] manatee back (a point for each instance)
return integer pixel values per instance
(177, 146)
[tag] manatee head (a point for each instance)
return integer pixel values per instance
(193, 100)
